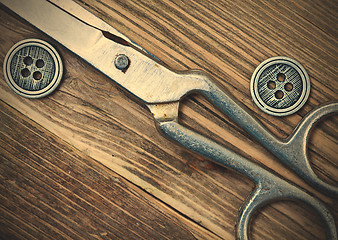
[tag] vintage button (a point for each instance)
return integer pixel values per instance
(280, 86)
(33, 68)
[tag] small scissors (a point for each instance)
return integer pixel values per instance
(161, 89)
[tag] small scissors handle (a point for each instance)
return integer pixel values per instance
(292, 151)
(269, 187)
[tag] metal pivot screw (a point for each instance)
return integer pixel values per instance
(122, 62)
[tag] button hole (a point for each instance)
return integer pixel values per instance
(25, 72)
(271, 85)
(40, 63)
(28, 60)
(281, 77)
(279, 94)
(288, 87)
(37, 75)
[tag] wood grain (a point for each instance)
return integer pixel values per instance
(88, 162)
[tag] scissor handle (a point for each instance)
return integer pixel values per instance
(269, 187)
(295, 149)
(292, 151)
(266, 192)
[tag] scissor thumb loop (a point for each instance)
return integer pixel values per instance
(304, 127)
(268, 190)
(296, 147)
(294, 193)
(254, 201)
(276, 190)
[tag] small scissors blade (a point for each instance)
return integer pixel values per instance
(75, 35)
(88, 18)
(146, 78)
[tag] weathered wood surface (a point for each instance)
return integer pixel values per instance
(87, 161)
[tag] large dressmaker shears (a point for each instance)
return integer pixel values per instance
(162, 89)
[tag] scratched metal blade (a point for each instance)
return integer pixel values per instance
(82, 14)
(146, 78)
(75, 35)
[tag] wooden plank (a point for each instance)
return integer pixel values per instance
(175, 194)
(50, 190)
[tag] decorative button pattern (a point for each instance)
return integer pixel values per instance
(280, 86)
(33, 68)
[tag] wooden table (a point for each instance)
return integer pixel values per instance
(88, 163)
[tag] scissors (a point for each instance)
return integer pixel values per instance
(161, 89)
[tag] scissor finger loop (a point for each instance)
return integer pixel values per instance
(275, 189)
(294, 151)
(269, 187)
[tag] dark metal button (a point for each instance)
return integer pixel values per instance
(33, 68)
(280, 86)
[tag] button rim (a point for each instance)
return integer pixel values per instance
(275, 111)
(57, 62)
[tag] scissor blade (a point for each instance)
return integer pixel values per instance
(46, 15)
(145, 78)
(75, 35)
(82, 14)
